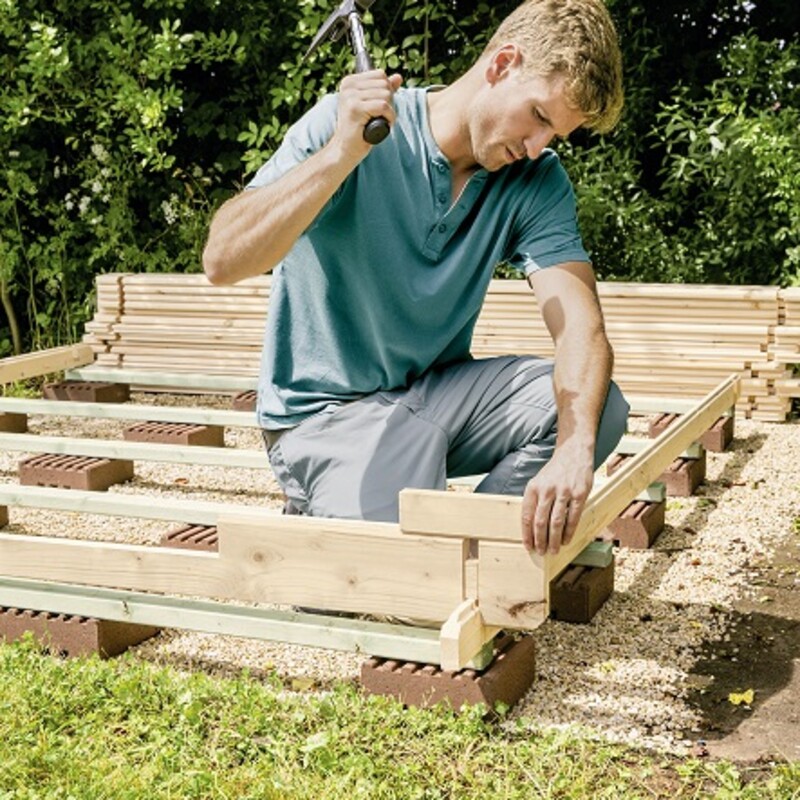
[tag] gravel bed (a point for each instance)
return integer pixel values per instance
(627, 675)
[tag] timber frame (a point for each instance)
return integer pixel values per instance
(454, 559)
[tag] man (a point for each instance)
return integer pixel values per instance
(383, 257)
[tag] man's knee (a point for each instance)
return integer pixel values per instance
(613, 424)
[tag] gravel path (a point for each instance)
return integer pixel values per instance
(627, 675)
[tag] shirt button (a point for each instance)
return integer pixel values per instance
(441, 167)
(442, 198)
(442, 228)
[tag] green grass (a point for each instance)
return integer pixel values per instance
(127, 729)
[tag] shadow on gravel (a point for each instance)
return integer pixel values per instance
(761, 654)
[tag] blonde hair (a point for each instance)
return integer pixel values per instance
(576, 39)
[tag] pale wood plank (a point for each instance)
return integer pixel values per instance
(165, 379)
(513, 589)
(345, 565)
(33, 365)
(498, 517)
(360, 636)
(195, 512)
(129, 411)
(135, 451)
(463, 636)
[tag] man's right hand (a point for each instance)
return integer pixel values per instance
(363, 96)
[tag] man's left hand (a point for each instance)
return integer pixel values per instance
(554, 500)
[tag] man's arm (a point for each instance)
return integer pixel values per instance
(555, 498)
(252, 232)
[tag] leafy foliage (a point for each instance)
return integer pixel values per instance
(123, 125)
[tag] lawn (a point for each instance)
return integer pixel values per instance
(86, 728)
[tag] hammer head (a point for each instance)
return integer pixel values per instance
(336, 24)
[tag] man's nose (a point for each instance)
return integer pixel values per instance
(536, 142)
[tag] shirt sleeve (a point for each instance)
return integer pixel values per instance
(546, 232)
(308, 135)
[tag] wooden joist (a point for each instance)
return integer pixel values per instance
(423, 567)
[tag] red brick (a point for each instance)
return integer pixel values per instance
(176, 433)
(684, 475)
(70, 635)
(716, 438)
(660, 423)
(638, 525)
(579, 592)
(680, 478)
(74, 472)
(245, 401)
(13, 423)
(192, 537)
(719, 436)
(88, 391)
(505, 680)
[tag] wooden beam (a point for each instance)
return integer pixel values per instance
(129, 411)
(313, 630)
(169, 509)
(463, 636)
(643, 404)
(614, 496)
(345, 565)
(176, 380)
(513, 591)
(33, 365)
(497, 517)
(135, 451)
(341, 565)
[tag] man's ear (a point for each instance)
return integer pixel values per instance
(503, 60)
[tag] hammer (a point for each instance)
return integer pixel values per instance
(346, 18)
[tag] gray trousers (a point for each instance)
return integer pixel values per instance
(495, 416)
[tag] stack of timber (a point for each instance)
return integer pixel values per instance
(178, 323)
(672, 340)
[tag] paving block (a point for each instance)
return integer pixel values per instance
(684, 475)
(578, 593)
(88, 391)
(505, 680)
(74, 472)
(13, 423)
(176, 433)
(716, 438)
(638, 525)
(680, 478)
(192, 537)
(245, 401)
(70, 635)
(719, 436)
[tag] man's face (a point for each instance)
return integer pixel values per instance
(516, 117)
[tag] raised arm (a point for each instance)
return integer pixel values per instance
(555, 498)
(252, 232)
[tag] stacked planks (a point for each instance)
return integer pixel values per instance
(179, 323)
(786, 347)
(671, 340)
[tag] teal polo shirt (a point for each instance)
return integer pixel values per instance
(389, 279)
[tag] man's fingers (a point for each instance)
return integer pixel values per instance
(549, 523)
(573, 518)
(558, 523)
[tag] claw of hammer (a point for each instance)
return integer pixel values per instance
(346, 18)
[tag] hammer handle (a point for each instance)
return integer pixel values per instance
(377, 129)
